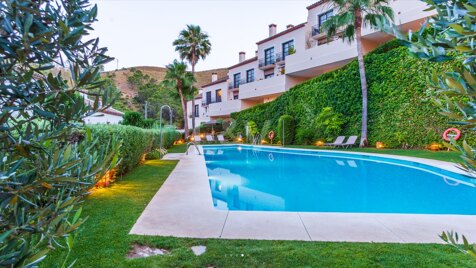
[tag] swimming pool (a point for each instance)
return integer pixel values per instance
(255, 178)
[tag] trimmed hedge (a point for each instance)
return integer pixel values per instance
(135, 141)
(401, 113)
(288, 122)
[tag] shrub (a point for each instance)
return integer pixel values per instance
(305, 136)
(49, 161)
(136, 142)
(287, 122)
(328, 124)
(230, 133)
(132, 119)
(401, 111)
(251, 131)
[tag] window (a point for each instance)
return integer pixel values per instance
(236, 80)
(218, 95)
(269, 56)
(323, 17)
(250, 75)
(235, 97)
(209, 97)
(268, 75)
(286, 46)
(196, 112)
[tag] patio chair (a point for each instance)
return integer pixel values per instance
(210, 138)
(197, 139)
(221, 138)
(338, 142)
(349, 143)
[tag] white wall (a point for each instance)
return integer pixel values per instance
(202, 111)
(243, 68)
(298, 36)
(213, 88)
(102, 118)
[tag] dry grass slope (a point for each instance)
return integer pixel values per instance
(158, 73)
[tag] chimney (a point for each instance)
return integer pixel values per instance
(242, 56)
(289, 26)
(272, 29)
(214, 77)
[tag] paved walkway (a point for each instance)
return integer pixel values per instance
(183, 208)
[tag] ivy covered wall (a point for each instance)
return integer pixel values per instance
(401, 111)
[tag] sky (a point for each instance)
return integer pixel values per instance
(140, 33)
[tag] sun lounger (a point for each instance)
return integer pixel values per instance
(338, 142)
(210, 138)
(221, 138)
(197, 139)
(349, 143)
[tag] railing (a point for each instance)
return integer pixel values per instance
(233, 85)
(280, 57)
(266, 62)
(316, 30)
(205, 103)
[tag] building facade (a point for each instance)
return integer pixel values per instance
(292, 56)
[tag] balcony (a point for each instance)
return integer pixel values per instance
(316, 32)
(266, 64)
(263, 88)
(206, 103)
(280, 58)
(320, 59)
(224, 108)
(235, 86)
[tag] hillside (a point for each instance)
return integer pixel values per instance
(158, 73)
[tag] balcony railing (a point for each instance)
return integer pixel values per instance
(266, 62)
(205, 103)
(233, 85)
(316, 30)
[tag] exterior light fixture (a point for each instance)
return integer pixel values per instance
(379, 145)
(434, 146)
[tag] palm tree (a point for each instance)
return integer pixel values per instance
(177, 78)
(192, 44)
(350, 17)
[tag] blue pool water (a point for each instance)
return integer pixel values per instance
(269, 179)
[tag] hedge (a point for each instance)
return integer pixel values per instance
(135, 141)
(401, 111)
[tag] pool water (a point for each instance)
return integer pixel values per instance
(268, 179)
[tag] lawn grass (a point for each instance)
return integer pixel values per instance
(178, 148)
(104, 239)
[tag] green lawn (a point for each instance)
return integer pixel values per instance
(178, 148)
(104, 239)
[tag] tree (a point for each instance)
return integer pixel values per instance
(49, 159)
(351, 16)
(192, 45)
(450, 36)
(178, 78)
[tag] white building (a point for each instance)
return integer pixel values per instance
(107, 116)
(293, 56)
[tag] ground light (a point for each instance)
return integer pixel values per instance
(319, 143)
(379, 145)
(434, 146)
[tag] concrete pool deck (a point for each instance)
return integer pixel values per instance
(183, 208)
